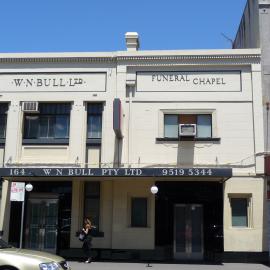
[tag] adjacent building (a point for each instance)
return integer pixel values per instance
(254, 32)
(94, 132)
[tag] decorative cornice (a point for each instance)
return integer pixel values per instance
(58, 60)
(190, 57)
(150, 58)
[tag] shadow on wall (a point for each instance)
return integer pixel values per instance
(117, 158)
(185, 153)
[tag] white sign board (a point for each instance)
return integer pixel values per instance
(192, 81)
(17, 191)
(61, 82)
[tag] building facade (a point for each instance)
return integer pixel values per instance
(254, 32)
(93, 132)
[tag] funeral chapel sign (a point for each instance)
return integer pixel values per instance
(196, 81)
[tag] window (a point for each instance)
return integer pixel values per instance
(239, 208)
(171, 126)
(203, 123)
(52, 122)
(3, 119)
(139, 212)
(94, 120)
(92, 202)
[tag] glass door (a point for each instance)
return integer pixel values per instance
(188, 231)
(42, 223)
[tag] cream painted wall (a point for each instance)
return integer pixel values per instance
(5, 209)
(44, 154)
(93, 156)
(237, 121)
(106, 215)
(115, 214)
(2, 151)
(251, 238)
(76, 212)
(17, 154)
(141, 110)
(233, 126)
(123, 235)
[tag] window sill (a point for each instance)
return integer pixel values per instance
(188, 139)
(45, 141)
(241, 228)
(93, 142)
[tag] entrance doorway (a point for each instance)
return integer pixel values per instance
(47, 219)
(42, 222)
(195, 209)
(188, 231)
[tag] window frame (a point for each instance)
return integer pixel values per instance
(53, 118)
(193, 110)
(249, 212)
(4, 115)
(179, 122)
(98, 197)
(94, 140)
(145, 225)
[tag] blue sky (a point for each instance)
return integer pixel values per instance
(100, 25)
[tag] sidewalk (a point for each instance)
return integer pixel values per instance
(142, 266)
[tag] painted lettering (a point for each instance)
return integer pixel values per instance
(29, 82)
(77, 172)
(59, 172)
(39, 82)
(61, 83)
(18, 82)
(47, 171)
(55, 83)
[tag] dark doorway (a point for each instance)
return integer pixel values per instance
(207, 195)
(41, 226)
(47, 216)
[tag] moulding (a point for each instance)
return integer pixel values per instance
(245, 58)
(56, 59)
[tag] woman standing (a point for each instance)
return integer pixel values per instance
(87, 242)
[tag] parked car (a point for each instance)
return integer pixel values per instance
(24, 259)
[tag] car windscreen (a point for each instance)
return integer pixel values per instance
(4, 244)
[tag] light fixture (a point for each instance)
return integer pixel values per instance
(29, 187)
(154, 189)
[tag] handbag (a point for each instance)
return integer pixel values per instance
(82, 236)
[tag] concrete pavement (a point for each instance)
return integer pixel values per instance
(143, 266)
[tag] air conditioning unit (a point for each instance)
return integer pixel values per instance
(30, 106)
(187, 130)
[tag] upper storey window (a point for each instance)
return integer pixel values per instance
(3, 119)
(202, 124)
(94, 120)
(51, 122)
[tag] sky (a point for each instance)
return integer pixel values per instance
(100, 25)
